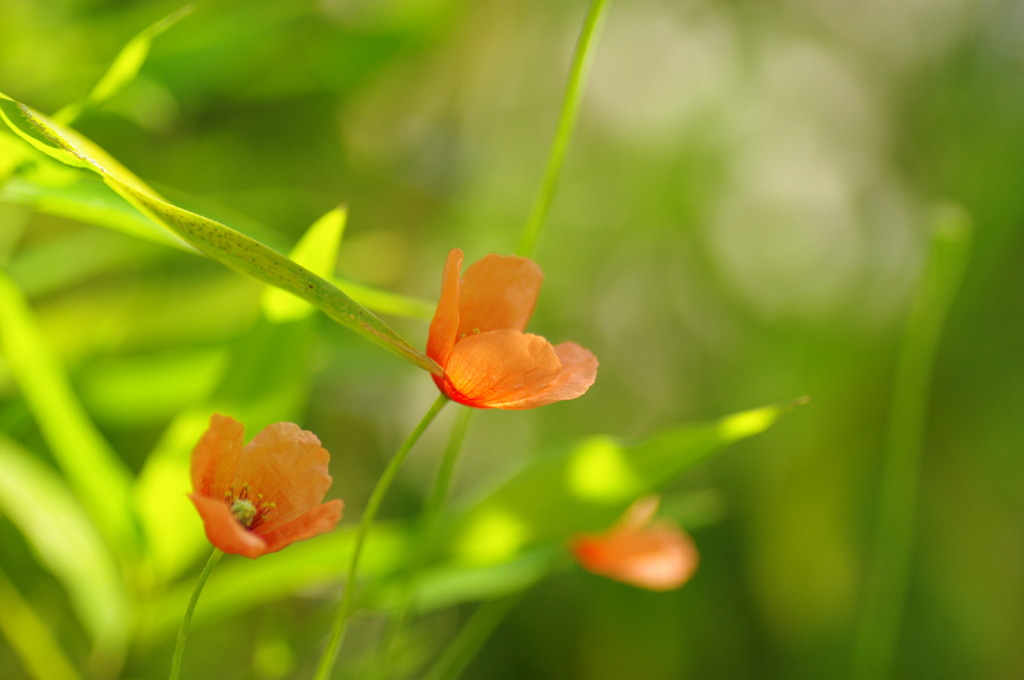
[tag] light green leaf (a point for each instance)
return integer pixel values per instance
(66, 543)
(587, 486)
(85, 199)
(219, 242)
(240, 584)
(123, 69)
(97, 474)
(30, 638)
(317, 251)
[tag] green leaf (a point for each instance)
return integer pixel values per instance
(30, 638)
(97, 474)
(587, 486)
(124, 68)
(85, 199)
(317, 251)
(240, 584)
(66, 543)
(219, 242)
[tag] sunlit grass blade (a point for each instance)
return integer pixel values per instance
(67, 544)
(29, 637)
(586, 486)
(124, 68)
(317, 251)
(566, 121)
(885, 597)
(96, 473)
(219, 242)
(241, 585)
(85, 198)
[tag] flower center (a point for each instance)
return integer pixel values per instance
(249, 510)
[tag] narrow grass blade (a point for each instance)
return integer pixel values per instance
(66, 543)
(96, 473)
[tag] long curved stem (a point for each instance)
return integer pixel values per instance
(330, 655)
(179, 646)
(567, 120)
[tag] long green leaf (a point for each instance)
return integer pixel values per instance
(585, 487)
(29, 637)
(219, 242)
(66, 543)
(97, 474)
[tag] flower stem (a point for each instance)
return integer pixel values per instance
(179, 647)
(428, 519)
(878, 633)
(570, 108)
(330, 655)
(473, 635)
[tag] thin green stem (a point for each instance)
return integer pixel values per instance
(471, 638)
(179, 646)
(581, 60)
(428, 521)
(878, 634)
(330, 655)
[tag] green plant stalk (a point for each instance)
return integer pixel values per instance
(578, 70)
(473, 635)
(428, 522)
(878, 633)
(330, 655)
(179, 645)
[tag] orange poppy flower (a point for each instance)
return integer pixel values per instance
(258, 498)
(477, 337)
(653, 556)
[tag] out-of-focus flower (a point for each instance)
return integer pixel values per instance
(477, 337)
(637, 551)
(258, 498)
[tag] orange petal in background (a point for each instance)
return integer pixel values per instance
(658, 556)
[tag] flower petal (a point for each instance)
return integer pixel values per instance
(289, 467)
(498, 291)
(578, 372)
(223, 531)
(498, 367)
(215, 457)
(319, 520)
(658, 557)
(445, 324)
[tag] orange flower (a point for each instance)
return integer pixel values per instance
(258, 498)
(477, 337)
(653, 556)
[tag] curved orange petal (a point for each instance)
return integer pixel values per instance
(223, 531)
(445, 324)
(659, 557)
(319, 520)
(215, 456)
(500, 366)
(578, 372)
(289, 467)
(498, 291)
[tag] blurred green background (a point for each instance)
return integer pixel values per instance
(742, 220)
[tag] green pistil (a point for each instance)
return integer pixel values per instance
(244, 511)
